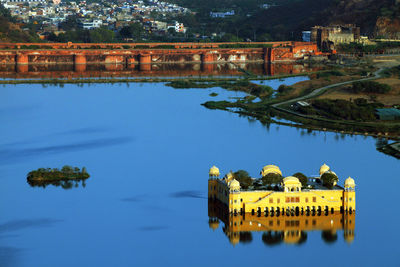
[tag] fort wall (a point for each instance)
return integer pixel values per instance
(143, 54)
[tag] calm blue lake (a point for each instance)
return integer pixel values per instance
(148, 149)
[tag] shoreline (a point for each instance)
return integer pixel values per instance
(150, 80)
(298, 120)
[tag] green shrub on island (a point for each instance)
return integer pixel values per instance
(272, 178)
(370, 87)
(303, 179)
(329, 179)
(66, 173)
(213, 94)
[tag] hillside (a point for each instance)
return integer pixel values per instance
(10, 31)
(379, 18)
(285, 19)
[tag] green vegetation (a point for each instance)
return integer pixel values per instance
(66, 173)
(243, 85)
(303, 179)
(272, 178)
(379, 47)
(392, 72)
(213, 94)
(284, 90)
(327, 74)
(358, 110)
(134, 30)
(100, 35)
(243, 178)
(370, 87)
(11, 32)
(329, 179)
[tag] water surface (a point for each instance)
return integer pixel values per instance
(148, 149)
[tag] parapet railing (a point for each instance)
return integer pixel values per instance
(191, 45)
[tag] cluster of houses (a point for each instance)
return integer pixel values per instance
(113, 15)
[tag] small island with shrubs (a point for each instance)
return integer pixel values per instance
(64, 177)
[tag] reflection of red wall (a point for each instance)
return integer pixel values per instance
(135, 70)
(114, 67)
(80, 67)
(22, 68)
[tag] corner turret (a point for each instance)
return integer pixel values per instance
(214, 172)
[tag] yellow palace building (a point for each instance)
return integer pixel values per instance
(288, 196)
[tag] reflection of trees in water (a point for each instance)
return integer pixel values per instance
(272, 238)
(329, 237)
(64, 184)
(303, 238)
(245, 237)
(383, 146)
(381, 142)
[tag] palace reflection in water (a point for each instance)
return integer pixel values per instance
(279, 227)
(70, 71)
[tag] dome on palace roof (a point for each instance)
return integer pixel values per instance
(229, 176)
(291, 179)
(214, 171)
(270, 169)
(324, 168)
(349, 182)
(234, 184)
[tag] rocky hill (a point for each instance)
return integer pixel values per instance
(378, 18)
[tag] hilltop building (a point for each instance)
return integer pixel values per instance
(178, 27)
(289, 196)
(330, 36)
(306, 36)
(222, 14)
